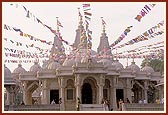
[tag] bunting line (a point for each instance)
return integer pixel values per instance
(26, 35)
(151, 33)
(146, 9)
(123, 35)
(27, 46)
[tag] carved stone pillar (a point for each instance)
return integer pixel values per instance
(25, 93)
(114, 94)
(145, 91)
(111, 97)
(45, 93)
(10, 95)
(101, 83)
(62, 93)
(7, 98)
(78, 86)
(128, 89)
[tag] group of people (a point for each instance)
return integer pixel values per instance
(159, 101)
(142, 101)
(106, 104)
(54, 101)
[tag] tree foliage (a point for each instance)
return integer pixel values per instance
(156, 64)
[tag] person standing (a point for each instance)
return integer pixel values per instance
(106, 108)
(120, 105)
(157, 100)
(162, 100)
(127, 101)
(53, 102)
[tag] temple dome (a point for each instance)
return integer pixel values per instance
(8, 79)
(69, 62)
(54, 65)
(45, 64)
(86, 59)
(106, 62)
(93, 52)
(133, 67)
(36, 67)
(7, 72)
(148, 69)
(19, 69)
(82, 53)
(117, 65)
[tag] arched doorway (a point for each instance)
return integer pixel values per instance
(86, 94)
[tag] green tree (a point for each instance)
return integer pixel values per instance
(156, 64)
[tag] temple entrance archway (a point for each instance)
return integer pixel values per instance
(89, 91)
(86, 94)
(54, 96)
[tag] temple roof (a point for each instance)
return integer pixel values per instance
(36, 67)
(19, 69)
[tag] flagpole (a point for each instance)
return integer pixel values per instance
(127, 62)
(116, 54)
(103, 25)
(57, 25)
(79, 14)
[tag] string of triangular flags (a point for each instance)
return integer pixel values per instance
(142, 48)
(87, 15)
(9, 52)
(7, 27)
(123, 35)
(20, 61)
(146, 9)
(150, 53)
(16, 55)
(27, 46)
(23, 52)
(29, 14)
(151, 33)
(138, 17)
(26, 55)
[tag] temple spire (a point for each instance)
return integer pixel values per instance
(80, 18)
(103, 25)
(57, 25)
(83, 41)
(55, 53)
(104, 43)
(79, 30)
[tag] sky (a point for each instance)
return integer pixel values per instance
(118, 16)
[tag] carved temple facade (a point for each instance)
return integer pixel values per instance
(85, 77)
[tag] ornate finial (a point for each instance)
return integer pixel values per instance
(103, 25)
(116, 54)
(57, 25)
(80, 18)
(83, 40)
(36, 61)
(147, 62)
(133, 59)
(127, 62)
(19, 65)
